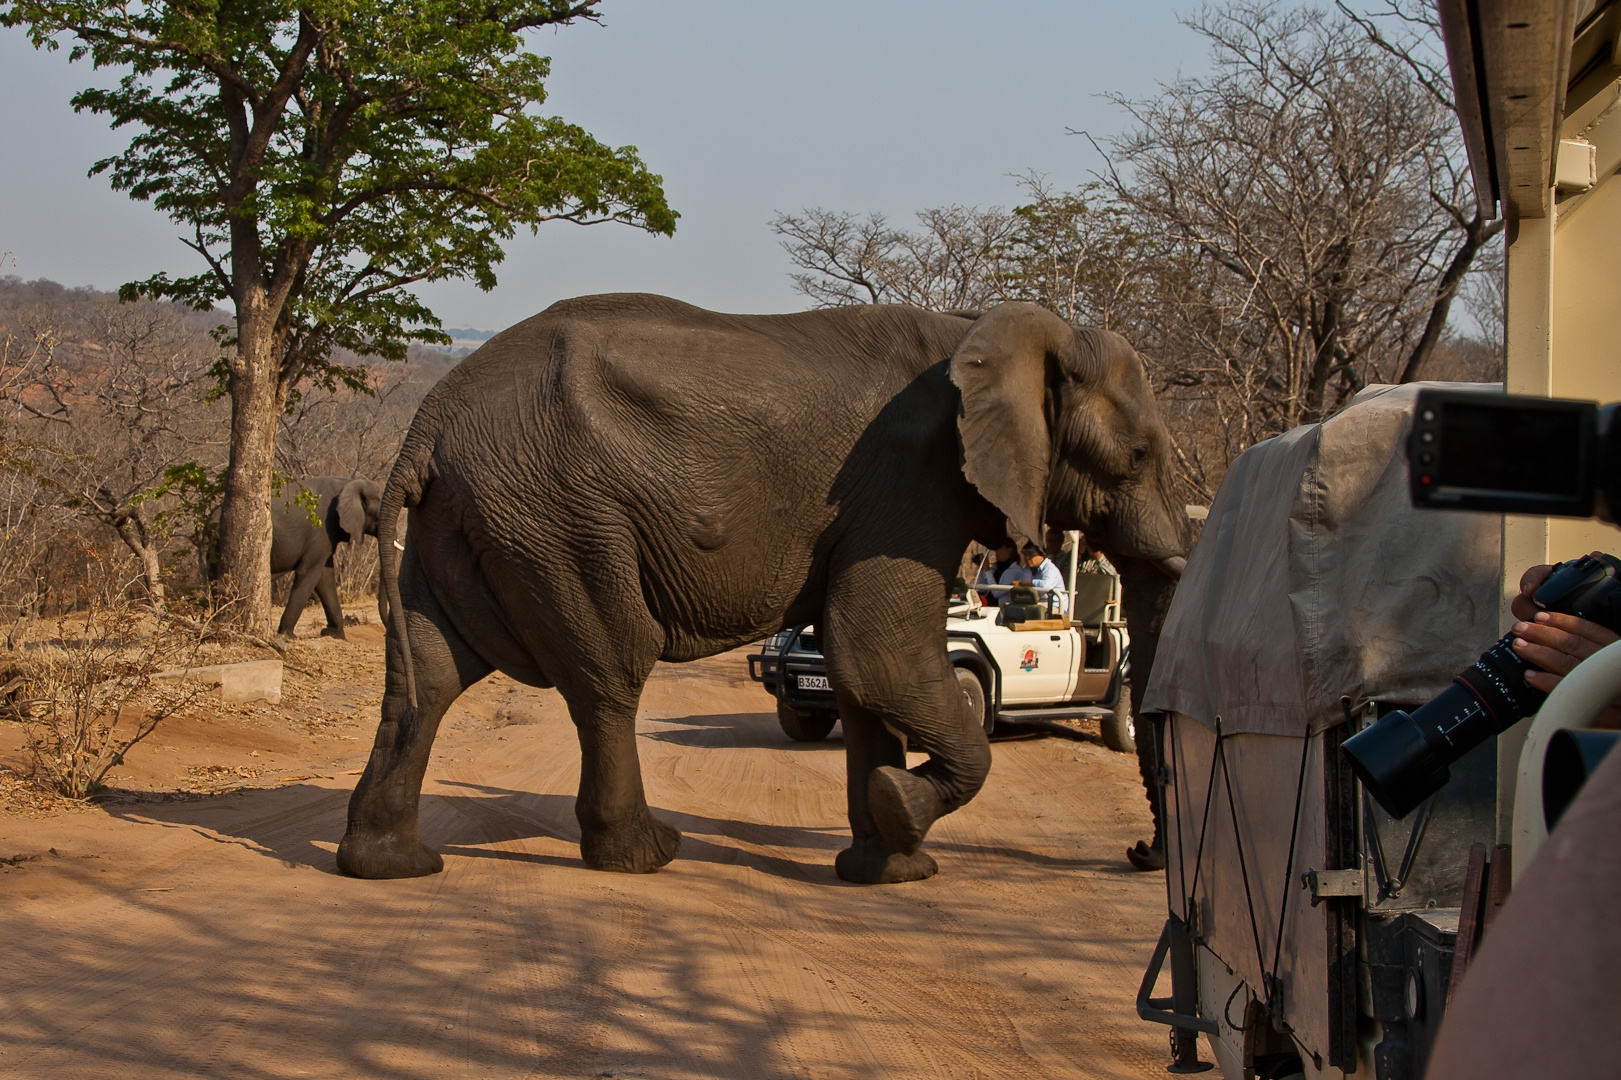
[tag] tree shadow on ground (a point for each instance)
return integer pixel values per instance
(371, 979)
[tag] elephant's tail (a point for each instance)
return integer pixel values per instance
(405, 486)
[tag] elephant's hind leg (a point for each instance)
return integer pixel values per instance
(326, 587)
(604, 653)
(304, 581)
(617, 831)
(382, 840)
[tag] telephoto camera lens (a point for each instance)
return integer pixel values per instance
(1404, 758)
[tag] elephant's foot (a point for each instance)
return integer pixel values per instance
(639, 848)
(386, 855)
(1146, 857)
(869, 861)
(334, 631)
(903, 807)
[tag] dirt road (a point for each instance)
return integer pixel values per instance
(214, 938)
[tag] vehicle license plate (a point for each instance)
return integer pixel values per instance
(813, 682)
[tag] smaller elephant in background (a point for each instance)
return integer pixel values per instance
(344, 510)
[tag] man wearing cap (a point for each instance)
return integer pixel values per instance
(1038, 571)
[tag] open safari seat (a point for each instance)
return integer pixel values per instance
(1020, 605)
(1024, 610)
(1093, 594)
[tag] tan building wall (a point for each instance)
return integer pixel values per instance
(1564, 332)
(1564, 340)
(1587, 330)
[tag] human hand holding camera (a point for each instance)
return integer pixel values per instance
(1556, 642)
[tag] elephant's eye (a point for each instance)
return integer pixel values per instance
(1139, 456)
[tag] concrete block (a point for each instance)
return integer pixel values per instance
(234, 684)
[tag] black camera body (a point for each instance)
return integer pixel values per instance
(1514, 454)
(1405, 758)
(1510, 454)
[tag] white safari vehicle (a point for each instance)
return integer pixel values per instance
(1018, 657)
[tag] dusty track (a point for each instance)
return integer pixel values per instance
(214, 938)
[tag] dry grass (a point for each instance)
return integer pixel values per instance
(88, 693)
(21, 796)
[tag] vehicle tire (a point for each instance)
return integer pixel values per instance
(805, 726)
(973, 694)
(1119, 727)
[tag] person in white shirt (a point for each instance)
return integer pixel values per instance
(994, 564)
(1038, 571)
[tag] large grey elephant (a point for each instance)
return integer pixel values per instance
(303, 540)
(625, 479)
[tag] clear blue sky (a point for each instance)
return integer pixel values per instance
(745, 108)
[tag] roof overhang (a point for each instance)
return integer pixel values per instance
(1513, 63)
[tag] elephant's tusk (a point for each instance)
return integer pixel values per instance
(1174, 566)
(399, 545)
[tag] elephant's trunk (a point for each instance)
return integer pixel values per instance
(1146, 588)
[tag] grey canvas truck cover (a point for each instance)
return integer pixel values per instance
(1315, 596)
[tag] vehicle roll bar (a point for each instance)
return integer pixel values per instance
(1575, 703)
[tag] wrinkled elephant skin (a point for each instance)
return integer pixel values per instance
(626, 479)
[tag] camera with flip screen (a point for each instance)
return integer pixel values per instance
(1509, 454)
(1513, 454)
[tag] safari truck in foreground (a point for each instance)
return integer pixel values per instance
(1017, 655)
(1310, 932)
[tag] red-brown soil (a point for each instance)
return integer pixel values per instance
(191, 934)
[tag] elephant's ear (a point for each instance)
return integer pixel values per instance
(371, 493)
(352, 508)
(1003, 367)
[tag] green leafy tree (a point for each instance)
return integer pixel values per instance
(324, 155)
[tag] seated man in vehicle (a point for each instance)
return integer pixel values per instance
(993, 564)
(1057, 552)
(1038, 571)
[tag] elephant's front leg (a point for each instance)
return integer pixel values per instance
(870, 859)
(889, 667)
(305, 578)
(617, 831)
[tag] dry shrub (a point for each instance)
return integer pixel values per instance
(88, 695)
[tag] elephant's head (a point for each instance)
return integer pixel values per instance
(359, 504)
(1059, 426)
